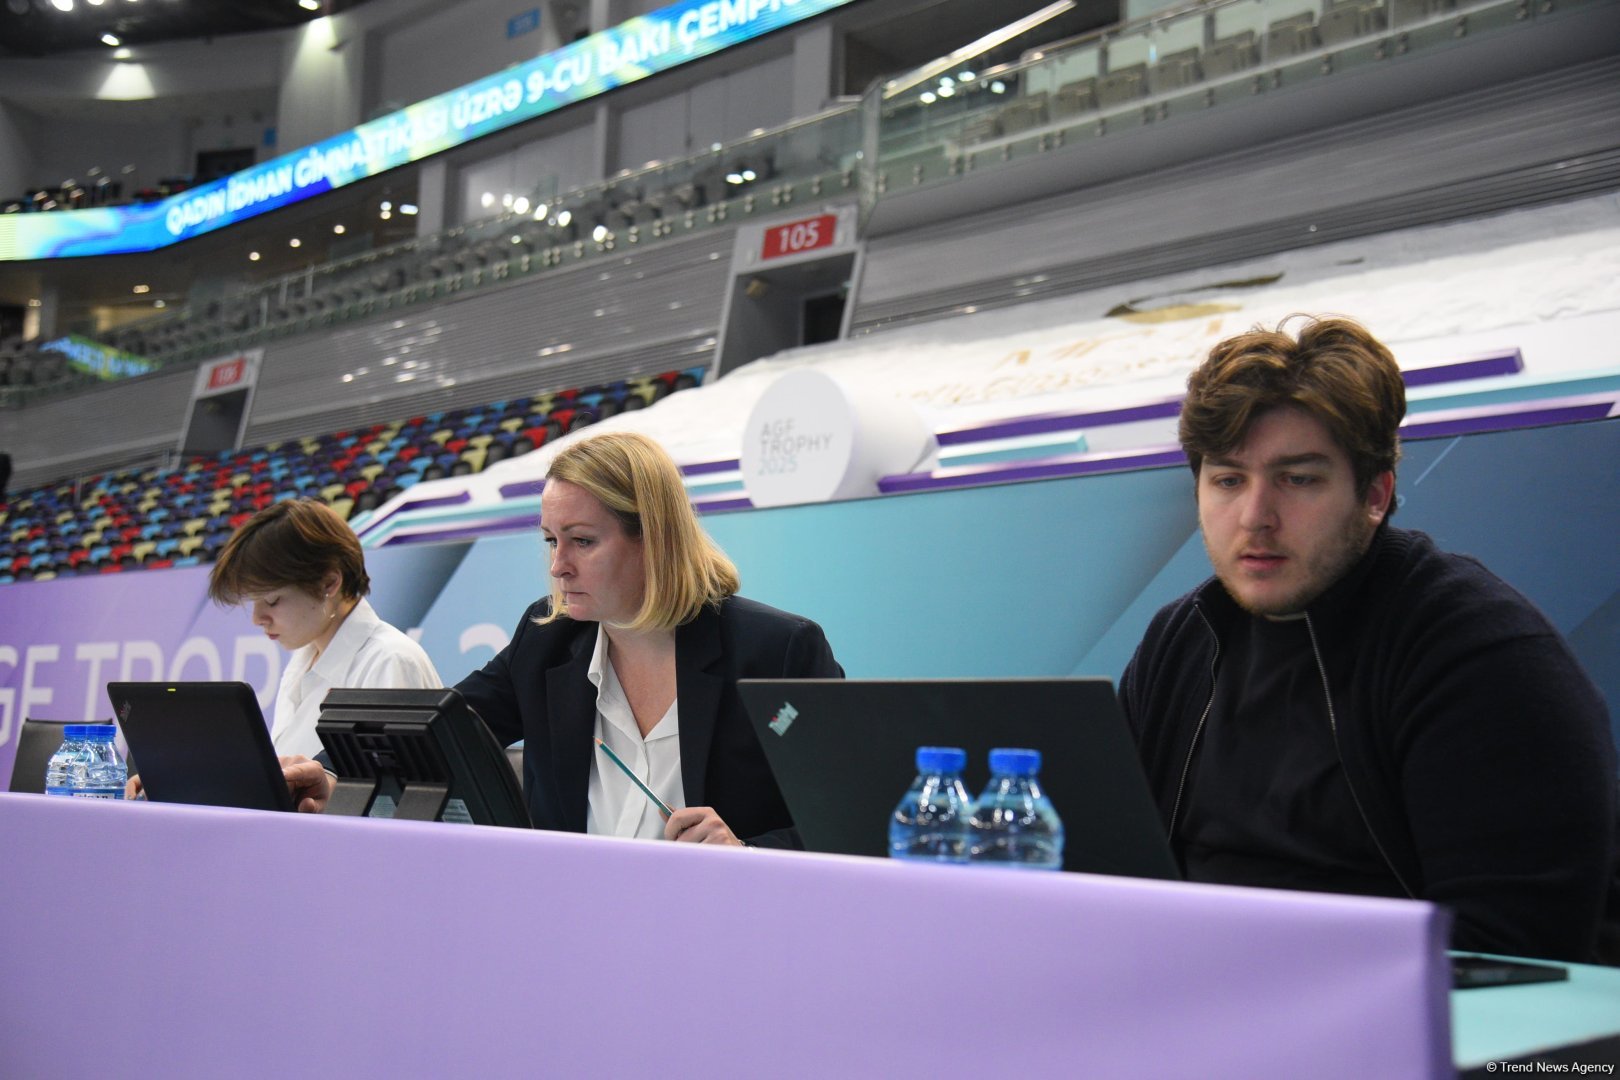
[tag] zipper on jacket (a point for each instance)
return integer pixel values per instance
(1186, 766)
(1333, 727)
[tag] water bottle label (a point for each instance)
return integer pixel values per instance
(87, 793)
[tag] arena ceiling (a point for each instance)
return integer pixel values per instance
(35, 28)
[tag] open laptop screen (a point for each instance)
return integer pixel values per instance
(844, 752)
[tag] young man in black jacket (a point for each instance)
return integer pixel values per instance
(1346, 708)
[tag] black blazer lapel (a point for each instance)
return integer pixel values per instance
(699, 683)
(571, 720)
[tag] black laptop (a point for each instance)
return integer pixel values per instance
(844, 752)
(204, 743)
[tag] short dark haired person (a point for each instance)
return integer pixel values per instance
(1346, 708)
(301, 571)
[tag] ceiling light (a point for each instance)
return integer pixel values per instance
(386, 205)
(310, 5)
(122, 54)
(927, 97)
(964, 76)
(599, 233)
(487, 199)
(338, 229)
(407, 208)
(998, 87)
(541, 211)
(159, 304)
(253, 256)
(520, 205)
(564, 217)
(295, 242)
(386, 215)
(62, 5)
(946, 91)
(733, 178)
(142, 289)
(506, 200)
(111, 39)
(749, 175)
(97, 3)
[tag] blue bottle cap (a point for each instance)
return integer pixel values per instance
(940, 759)
(77, 731)
(1015, 761)
(100, 731)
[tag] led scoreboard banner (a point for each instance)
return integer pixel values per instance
(633, 50)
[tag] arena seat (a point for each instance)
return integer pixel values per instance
(183, 515)
(1177, 70)
(1292, 36)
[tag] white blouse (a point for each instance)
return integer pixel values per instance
(616, 807)
(365, 653)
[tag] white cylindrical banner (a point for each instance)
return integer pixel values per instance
(811, 439)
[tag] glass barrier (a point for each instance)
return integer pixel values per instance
(984, 112)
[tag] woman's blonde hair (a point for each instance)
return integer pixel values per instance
(637, 481)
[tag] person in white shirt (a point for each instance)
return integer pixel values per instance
(299, 568)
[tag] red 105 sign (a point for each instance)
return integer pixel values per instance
(225, 374)
(800, 236)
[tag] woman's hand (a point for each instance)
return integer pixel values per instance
(699, 825)
(307, 783)
(133, 788)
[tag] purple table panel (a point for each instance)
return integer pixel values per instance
(247, 944)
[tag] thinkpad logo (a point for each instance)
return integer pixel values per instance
(784, 718)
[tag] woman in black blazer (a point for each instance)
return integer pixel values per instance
(643, 633)
(643, 605)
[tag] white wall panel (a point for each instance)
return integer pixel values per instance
(453, 45)
(655, 131)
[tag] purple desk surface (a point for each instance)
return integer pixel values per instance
(168, 941)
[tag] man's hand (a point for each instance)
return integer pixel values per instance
(307, 783)
(699, 825)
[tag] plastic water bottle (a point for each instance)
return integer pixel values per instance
(931, 822)
(1014, 823)
(87, 765)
